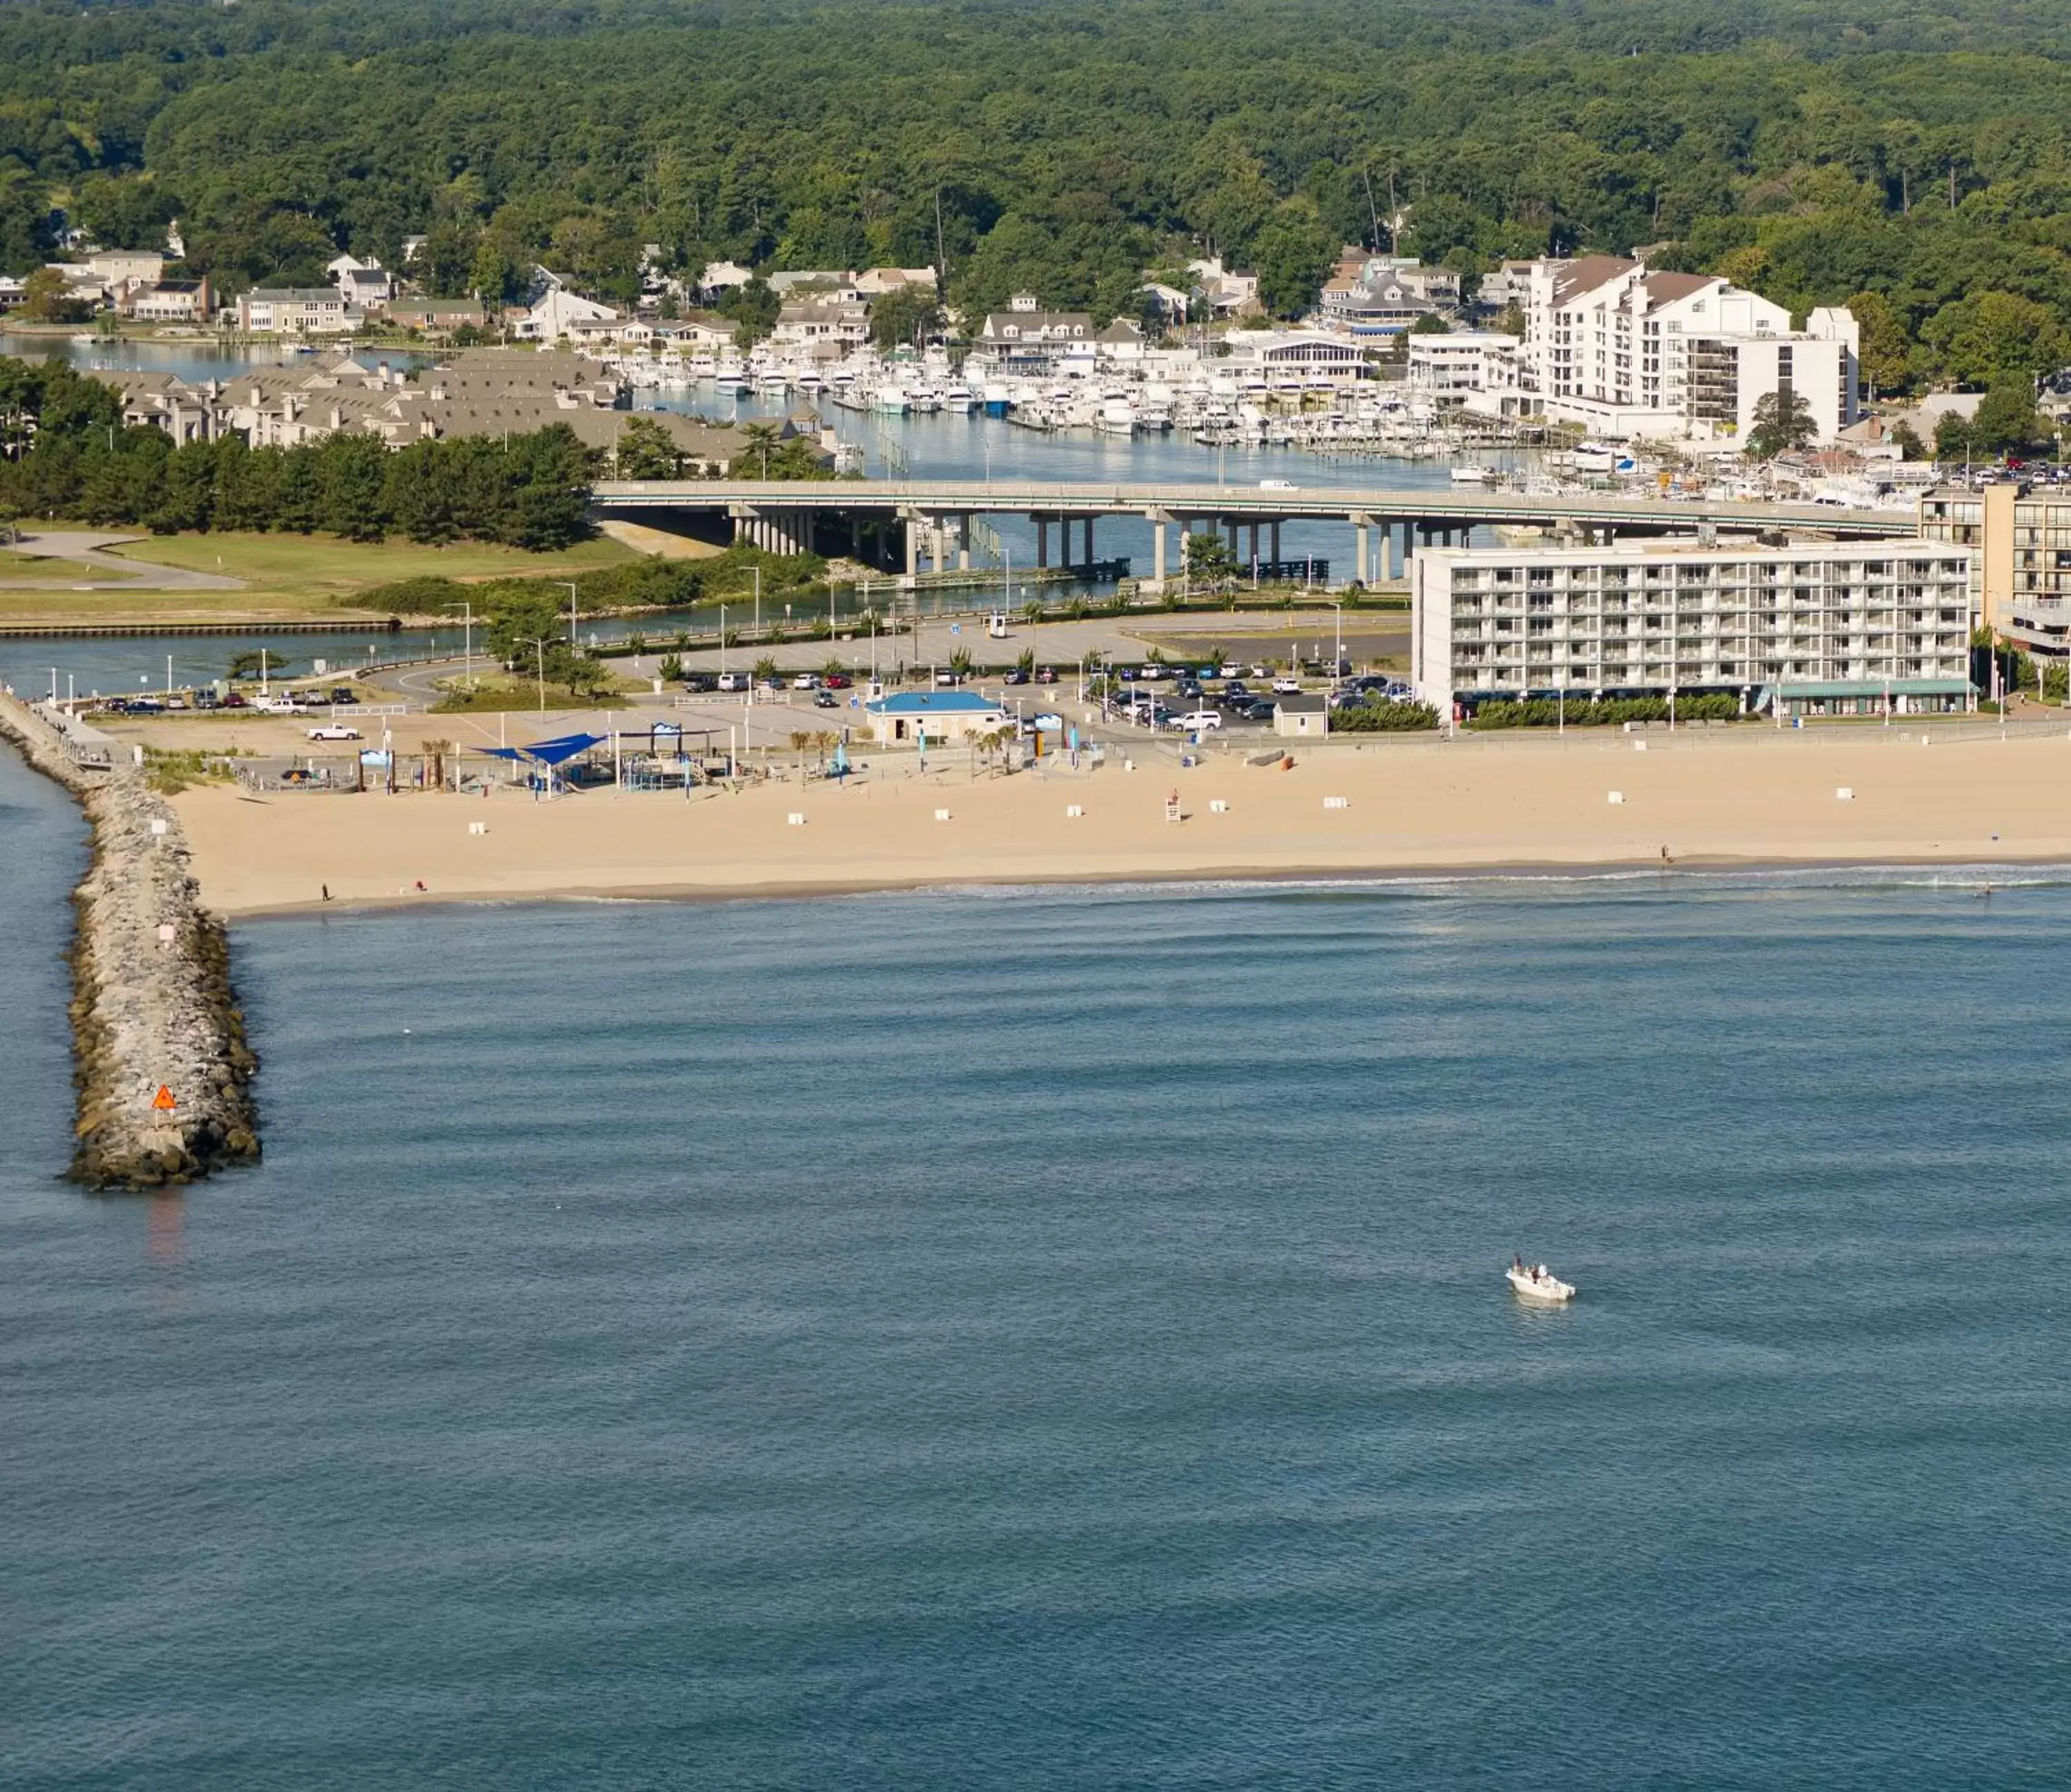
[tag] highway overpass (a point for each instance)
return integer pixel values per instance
(894, 523)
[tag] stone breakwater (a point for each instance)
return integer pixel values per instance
(160, 1060)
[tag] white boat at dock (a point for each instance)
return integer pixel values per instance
(1536, 1282)
(1470, 474)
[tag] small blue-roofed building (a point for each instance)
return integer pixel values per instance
(940, 714)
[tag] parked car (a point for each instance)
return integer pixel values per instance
(236, 699)
(1014, 675)
(736, 681)
(1236, 692)
(699, 681)
(1261, 712)
(826, 699)
(944, 675)
(343, 694)
(333, 731)
(837, 681)
(806, 681)
(1287, 688)
(1046, 674)
(1197, 721)
(280, 706)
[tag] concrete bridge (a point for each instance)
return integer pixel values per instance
(893, 522)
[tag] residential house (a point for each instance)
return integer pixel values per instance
(1119, 340)
(169, 301)
(1227, 294)
(823, 327)
(875, 282)
(560, 313)
(718, 278)
(431, 315)
(365, 285)
(295, 311)
(825, 286)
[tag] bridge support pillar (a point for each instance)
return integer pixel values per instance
(1042, 541)
(910, 528)
(1230, 528)
(1358, 553)
(1157, 553)
(1275, 556)
(963, 543)
(855, 534)
(1386, 570)
(1088, 562)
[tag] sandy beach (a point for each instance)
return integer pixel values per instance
(1955, 796)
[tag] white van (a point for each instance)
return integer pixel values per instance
(736, 681)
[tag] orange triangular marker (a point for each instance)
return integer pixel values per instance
(163, 1098)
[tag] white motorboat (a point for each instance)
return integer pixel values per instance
(1536, 1282)
(1471, 474)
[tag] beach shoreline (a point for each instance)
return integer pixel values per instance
(1426, 812)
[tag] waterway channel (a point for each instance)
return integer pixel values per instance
(936, 446)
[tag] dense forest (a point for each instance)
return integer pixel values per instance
(1814, 148)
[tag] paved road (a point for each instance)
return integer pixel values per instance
(1063, 644)
(89, 549)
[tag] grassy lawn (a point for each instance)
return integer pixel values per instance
(297, 563)
(288, 578)
(498, 694)
(19, 569)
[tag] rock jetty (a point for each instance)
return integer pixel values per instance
(160, 1063)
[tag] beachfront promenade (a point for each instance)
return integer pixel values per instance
(895, 523)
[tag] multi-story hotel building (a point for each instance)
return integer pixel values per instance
(2021, 563)
(1819, 627)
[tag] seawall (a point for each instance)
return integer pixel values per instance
(152, 1008)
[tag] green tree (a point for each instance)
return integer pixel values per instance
(1906, 439)
(1779, 426)
(905, 316)
(47, 298)
(1997, 336)
(2006, 422)
(1293, 253)
(1206, 559)
(647, 450)
(1883, 349)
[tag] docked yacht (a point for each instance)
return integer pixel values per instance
(1536, 1282)
(1471, 474)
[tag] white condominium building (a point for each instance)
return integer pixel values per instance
(1820, 627)
(1625, 352)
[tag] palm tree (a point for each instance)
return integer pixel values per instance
(765, 668)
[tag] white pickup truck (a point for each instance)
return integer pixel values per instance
(280, 706)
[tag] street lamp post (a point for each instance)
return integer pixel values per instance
(467, 640)
(570, 584)
(540, 650)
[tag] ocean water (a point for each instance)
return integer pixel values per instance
(1056, 1339)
